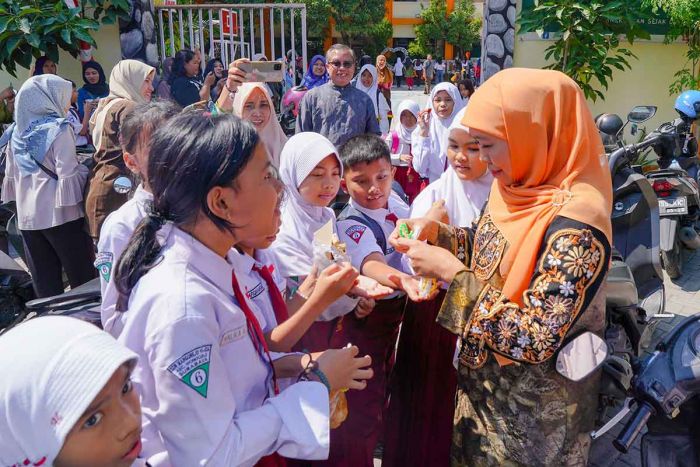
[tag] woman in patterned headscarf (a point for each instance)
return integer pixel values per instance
(528, 276)
(386, 78)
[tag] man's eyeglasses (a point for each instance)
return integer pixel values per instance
(338, 64)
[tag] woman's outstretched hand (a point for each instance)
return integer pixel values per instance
(430, 261)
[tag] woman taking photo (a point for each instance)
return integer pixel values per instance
(216, 67)
(385, 78)
(528, 276)
(45, 179)
(186, 88)
(130, 83)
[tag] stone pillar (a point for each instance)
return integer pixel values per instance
(138, 36)
(498, 37)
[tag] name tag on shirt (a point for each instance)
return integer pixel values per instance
(255, 291)
(233, 335)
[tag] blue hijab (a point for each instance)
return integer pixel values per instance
(39, 118)
(310, 79)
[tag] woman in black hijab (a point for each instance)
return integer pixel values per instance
(95, 86)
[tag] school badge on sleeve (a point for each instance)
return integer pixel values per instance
(103, 263)
(356, 232)
(193, 369)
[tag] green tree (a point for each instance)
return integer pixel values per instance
(587, 43)
(432, 31)
(685, 23)
(31, 28)
(460, 28)
(355, 21)
(464, 29)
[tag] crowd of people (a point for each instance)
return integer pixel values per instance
(251, 318)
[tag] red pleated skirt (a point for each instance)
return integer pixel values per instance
(410, 181)
(418, 429)
(353, 443)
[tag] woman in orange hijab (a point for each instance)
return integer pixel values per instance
(528, 275)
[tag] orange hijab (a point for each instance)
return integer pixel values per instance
(557, 160)
(386, 77)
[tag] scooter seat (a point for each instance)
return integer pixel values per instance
(89, 291)
(621, 289)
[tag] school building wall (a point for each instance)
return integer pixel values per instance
(645, 84)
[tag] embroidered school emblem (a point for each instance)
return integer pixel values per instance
(103, 263)
(356, 232)
(193, 369)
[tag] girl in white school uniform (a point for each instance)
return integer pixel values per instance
(206, 377)
(135, 137)
(367, 82)
(66, 398)
(400, 143)
(419, 420)
(430, 140)
(45, 179)
(310, 169)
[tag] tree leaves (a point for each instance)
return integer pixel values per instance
(31, 28)
(587, 40)
(460, 28)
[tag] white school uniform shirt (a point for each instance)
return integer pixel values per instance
(114, 237)
(430, 152)
(43, 202)
(360, 240)
(205, 391)
(254, 286)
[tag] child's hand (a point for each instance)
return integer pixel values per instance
(306, 288)
(407, 158)
(411, 285)
(344, 369)
(424, 122)
(438, 213)
(334, 282)
(364, 307)
(367, 287)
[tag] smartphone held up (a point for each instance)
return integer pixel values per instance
(263, 71)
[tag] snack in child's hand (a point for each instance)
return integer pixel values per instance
(339, 408)
(328, 249)
(427, 286)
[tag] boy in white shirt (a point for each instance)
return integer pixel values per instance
(364, 226)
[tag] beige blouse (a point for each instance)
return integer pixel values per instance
(43, 202)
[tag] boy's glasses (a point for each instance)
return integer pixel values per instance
(339, 64)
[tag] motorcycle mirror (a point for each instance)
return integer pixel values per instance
(122, 185)
(581, 356)
(641, 113)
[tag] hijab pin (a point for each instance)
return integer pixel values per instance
(561, 197)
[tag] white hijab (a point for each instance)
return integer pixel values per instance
(464, 200)
(53, 368)
(372, 90)
(440, 127)
(272, 135)
(403, 132)
(300, 220)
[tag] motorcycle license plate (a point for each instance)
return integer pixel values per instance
(673, 207)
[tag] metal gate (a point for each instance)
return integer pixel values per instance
(231, 31)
